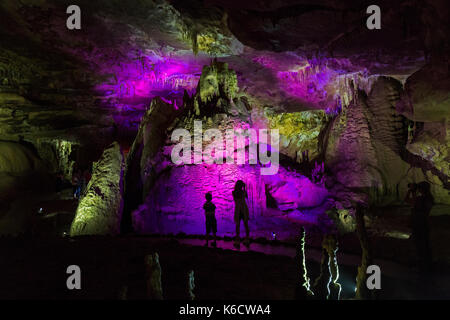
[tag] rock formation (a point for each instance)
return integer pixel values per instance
(191, 285)
(143, 167)
(360, 113)
(178, 190)
(100, 209)
(153, 277)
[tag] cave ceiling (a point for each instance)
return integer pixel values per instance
(129, 51)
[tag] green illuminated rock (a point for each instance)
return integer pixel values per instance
(16, 158)
(434, 147)
(299, 132)
(217, 81)
(100, 210)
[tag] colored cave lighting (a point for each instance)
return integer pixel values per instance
(318, 84)
(144, 78)
(308, 83)
(263, 146)
(177, 199)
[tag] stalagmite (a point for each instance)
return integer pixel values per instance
(191, 285)
(153, 277)
(100, 210)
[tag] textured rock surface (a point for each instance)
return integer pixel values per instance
(432, 144)
(18, 159)
(216, 80)
(160, 47)
(427, 93)
(100, 209)
(366, 143)
(143, 165)
(59, 154)
(299, 132)
(311, 70)
(426, 101)
(176, 192)
(350, 153)
(19, 165)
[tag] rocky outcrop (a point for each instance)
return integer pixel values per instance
(50, 109)
(70, 94)
(151, 137)
(59, 154)
(99, 211)
(142, 164)
(216, 81)
(427, 96)
(426, 102)
(20, 169)
(350, 154)
(367, 145)
(178, 190)
(300, 133)
(17, 159)
(432, 144)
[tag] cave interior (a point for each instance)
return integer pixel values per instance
(351, 119)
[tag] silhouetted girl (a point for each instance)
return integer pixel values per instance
(240, 208)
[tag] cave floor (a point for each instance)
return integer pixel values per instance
(46, 253)
(35, 268)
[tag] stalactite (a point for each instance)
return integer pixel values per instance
(302, 291)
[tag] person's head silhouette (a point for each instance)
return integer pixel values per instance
(424, 189)
(239, 186)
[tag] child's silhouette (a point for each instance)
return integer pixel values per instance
(210, 215)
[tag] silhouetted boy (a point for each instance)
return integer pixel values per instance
(210, 215)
